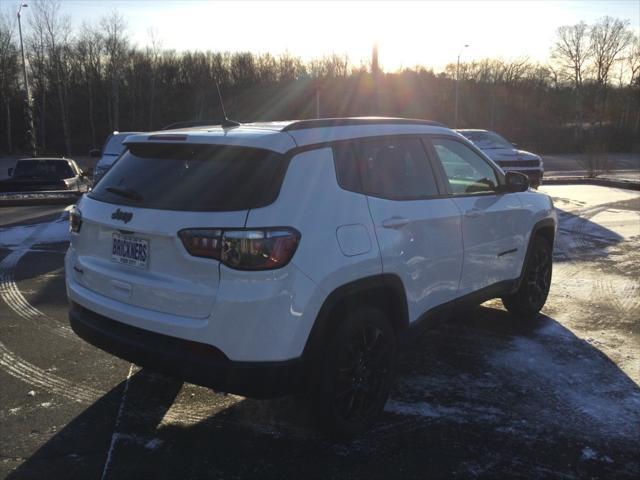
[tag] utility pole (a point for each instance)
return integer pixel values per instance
(455, 111)
(32, 132)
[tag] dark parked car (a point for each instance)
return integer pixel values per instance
(45, 174)
(507, 155)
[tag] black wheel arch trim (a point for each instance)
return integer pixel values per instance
(546, 225)
(323, 325)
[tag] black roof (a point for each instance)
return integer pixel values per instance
(354, 121)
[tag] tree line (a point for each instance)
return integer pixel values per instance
(89, 81)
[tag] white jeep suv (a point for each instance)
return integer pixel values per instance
(273, 258)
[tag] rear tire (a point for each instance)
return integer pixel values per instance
(356, 374)
(536, 281)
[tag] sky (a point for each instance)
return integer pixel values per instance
(430, 33)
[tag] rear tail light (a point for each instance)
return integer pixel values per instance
(75, 220)
(259, 249)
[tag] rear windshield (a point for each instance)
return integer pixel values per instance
(50, 169)
(192, 177)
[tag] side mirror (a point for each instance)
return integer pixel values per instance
(10, 171)
(515, 182)
(95, 153)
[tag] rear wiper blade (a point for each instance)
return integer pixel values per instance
(125, 192)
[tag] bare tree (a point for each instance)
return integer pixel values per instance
(572, 51)
(39, 65)
(116, 46)
(89, 49)
(8, 71)
(610, 37)
(633, 68)
(56, 30)
(153, 53)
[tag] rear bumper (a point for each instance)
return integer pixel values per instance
(190, 361)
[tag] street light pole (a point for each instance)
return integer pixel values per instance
(455, 110)
(32, 132)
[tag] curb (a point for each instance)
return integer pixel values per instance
(603, 182)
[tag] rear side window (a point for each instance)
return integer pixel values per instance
(397, 168)
(347, 166)
(193, 177)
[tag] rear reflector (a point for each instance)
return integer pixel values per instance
(259, 249)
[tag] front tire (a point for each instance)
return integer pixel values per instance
(356, 375)
(534, 288)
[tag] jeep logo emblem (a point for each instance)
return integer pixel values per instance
(120, 215)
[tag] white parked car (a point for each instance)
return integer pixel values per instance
(112, 149)
(273, 258)
(507, 155)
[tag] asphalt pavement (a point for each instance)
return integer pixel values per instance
(487, 395)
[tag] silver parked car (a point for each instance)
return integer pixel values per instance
(112, 149)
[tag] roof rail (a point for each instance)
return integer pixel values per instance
(353, 121)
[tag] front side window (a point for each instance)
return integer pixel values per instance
(397, 169)
(466, 171)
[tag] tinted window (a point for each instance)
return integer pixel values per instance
(466, 171)
(346, 160)
(193, 177)
(396, 168)
(43, 169)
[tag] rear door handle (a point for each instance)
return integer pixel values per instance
(395, 222)
(474, 213)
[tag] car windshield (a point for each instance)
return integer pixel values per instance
(487, 140)
(50, 169)
(192, 177)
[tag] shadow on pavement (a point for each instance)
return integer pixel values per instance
(578, 238)
(484, 395)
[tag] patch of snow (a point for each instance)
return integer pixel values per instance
(583, 390)
(45, 404)
(31, 393)
(13, 411)
(56, 231)
(592, 195)
(589, 454)
(149, 444)
(423, 409)
(153, 444)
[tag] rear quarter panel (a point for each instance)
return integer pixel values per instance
(337, 244)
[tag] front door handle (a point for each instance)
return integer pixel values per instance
(474, 213)
(395, 222)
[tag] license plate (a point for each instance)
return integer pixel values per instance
(130, 250)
